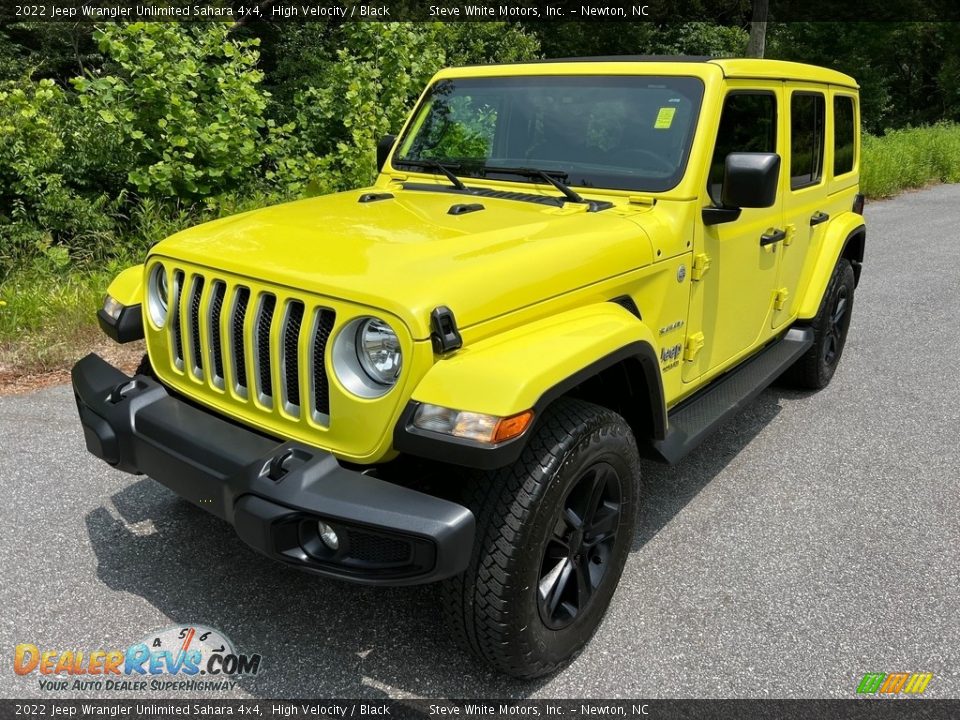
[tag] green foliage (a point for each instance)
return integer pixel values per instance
(181, 109)
(910, 158)
(47, 318)
(114, 137)
(641, 38)
(41, 212)
(908, 71)
(47, 50)
(365, 90)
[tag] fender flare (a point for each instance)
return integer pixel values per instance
(127, 289)
(127, 286)
(528, 368)
(839, 234)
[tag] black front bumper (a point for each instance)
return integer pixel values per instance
(273, 493)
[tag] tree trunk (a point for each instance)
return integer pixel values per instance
(758, 29)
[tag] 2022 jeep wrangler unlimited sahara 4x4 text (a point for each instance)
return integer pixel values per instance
(452, 375)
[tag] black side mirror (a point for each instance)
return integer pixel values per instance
(383, 150)
(750, 180)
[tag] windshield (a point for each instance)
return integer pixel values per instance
(617, 132)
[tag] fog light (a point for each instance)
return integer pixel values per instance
(328, 535)
(112, 308)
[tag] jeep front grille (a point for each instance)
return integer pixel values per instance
(236, 338)
(321, 334)
(196, 293)
(262, 362)
(221, 332)
(216, 314)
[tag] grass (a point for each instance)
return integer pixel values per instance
(48, 317)
(912, 158)
(45, 318)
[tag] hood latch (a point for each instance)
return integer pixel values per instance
(443, 331)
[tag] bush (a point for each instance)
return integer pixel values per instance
(366, 90)
(40, 213)
(181, 110)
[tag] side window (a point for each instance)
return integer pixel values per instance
(844, 130)
(748, 123)
(807, 122)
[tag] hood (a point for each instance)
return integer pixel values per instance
(407, 254)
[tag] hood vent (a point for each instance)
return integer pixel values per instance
(374, 197)
(464, 208)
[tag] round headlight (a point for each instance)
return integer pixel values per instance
(158, 295)
(378, 350)
(367, 357)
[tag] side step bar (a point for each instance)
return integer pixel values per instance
(694, 419)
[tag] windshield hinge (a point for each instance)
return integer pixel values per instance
(694, 345)
(444, 334)
(701, 263)
(647, 200)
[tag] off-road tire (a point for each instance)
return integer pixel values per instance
(493, 607)
(815, 368)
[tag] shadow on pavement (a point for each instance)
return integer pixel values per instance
(323, 638)
(667, 489)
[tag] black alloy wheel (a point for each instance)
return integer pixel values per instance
(577, 554)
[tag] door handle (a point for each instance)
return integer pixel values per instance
(818, 217)
(772, 237)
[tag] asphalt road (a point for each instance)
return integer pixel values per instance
(814, 538)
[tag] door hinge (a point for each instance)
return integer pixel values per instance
(701, 263)
(693, 346)
(780, 299)
(791, 231)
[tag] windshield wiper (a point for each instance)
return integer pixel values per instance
(551, 177)
(437, 168)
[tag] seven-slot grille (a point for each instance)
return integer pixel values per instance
(206, 328)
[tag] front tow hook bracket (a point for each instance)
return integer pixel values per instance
(121, 391)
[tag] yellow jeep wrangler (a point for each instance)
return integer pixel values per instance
(453, 374)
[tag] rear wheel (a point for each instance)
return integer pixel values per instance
(815, 369)
(553, 533)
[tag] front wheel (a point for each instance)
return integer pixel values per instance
(553, 534)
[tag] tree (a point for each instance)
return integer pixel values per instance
(758, 29)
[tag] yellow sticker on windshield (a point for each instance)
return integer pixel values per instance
(665, 118)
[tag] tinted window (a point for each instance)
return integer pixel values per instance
(843, 134)
(626, 132)
(748, 123)
(807, 120)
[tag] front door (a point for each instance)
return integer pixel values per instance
(734, 270)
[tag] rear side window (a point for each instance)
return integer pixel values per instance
(844, 130)
(807, 121)
(748, 123)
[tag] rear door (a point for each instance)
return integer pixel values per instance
(806, 207)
